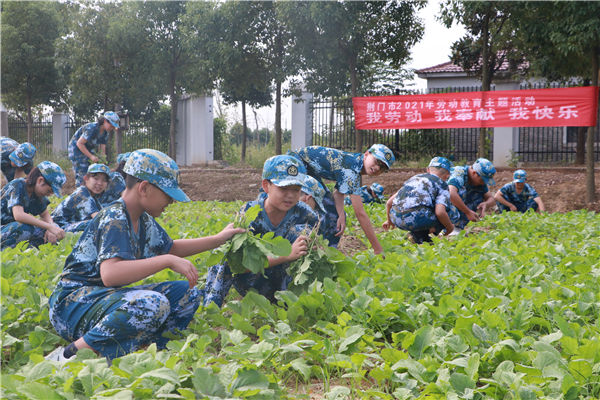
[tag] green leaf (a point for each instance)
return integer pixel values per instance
(564, 326)
(162, 373)
(249, 379)
(581, 370)
(208, 384)
(461, 382)
(423, 339)
(38, 391)
(299, 364)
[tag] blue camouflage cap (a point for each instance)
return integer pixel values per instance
(53, 174)
(441, 162)
(23, 154)
(486, 170)
(314, 188)
(382, 153)
(113, 118)
(123, 157)
(378, 190)
(99, 168)
(284, 171)
(158, 169)
(520, 176)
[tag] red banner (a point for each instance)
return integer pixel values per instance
(506, 108)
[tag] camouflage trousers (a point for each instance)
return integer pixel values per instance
(421, 219)
(521, 207)
(471, 201)
(220, 279)
(118, 321)
(17, 232)
(80, 164)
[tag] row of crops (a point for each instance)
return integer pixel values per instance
(509, 311)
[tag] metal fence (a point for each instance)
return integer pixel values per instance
(336, 129)
(551, 144)
(42, 132)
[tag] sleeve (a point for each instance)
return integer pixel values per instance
(443, 195)
(348, 181)
(532, 193)
(457, 179)
(506, 189)
(16, 196)
(113, 236)
(88, 131)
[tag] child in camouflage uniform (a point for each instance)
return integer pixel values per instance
(469, 191)
(22, 200)
(518, 195)
(117, 182)
(369, 194)
(281, 213)
(75, 212)
(16, 159)
(422, 206)
(346, 169)
(91, 305)
(85, 141)
(312, 194)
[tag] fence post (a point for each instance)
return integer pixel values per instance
(505, 139)
(4, 123)
(195, 140)
(60, 132)
(302, 120)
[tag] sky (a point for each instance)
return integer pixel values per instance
(433, 49)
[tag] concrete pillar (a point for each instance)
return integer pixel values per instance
(302, 120)
(60, 133)
(506, 140)
(195, 141)
(4, 123)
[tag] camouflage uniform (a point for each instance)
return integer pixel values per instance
(339, 166)
(298, 219)
(367, 198)
(19, 154)
(90, 132)
(413, 208)
(117, 320)
(524, 200)
(113, 190)
(74, 213)
(471, 195)
(15, 194)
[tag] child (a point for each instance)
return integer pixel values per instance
(113, 191)
(518, 195)
(422, 206)
(22, 200)
(372, 194)
(283, 214)
(75, 212)
(85, 141)
(17, 159)
(91, 307)
(346, 170)
(469, 191)
(312, 194)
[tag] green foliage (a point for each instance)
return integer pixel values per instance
(508, 311)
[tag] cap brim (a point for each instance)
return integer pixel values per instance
(519, 180)
(57, 191)
(115, 124)
(288, 182)
(176, 194)
(320, 204)
(18, 162)
(489, 181)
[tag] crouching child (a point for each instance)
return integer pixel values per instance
(518, 195)
(422, 206)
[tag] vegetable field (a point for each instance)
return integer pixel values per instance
(510, 311)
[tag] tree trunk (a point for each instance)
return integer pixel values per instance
(173, 128)
(580, 156)
(590, 185)
(354, 81)
(243, 160)
(29, 120)
(256, 134)
(278, 149)
(485, 79)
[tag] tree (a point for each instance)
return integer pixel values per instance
(562, 39)
(338, 40)
(29, 77)
(488, 43)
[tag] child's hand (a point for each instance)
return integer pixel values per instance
(185, 268)
(94, 158)
(387, 225)
(299, 248)
(229, 232)
(57, 232)
(473, 217)
(341, 225)
(50, 238)
(481, 209)
(513, 207)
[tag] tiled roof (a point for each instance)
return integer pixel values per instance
(451, 67)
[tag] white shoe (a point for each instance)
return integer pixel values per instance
(58, 355)
(455, 232)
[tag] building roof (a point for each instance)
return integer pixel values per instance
(453, 68)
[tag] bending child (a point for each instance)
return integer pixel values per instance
(23, 200)
(16, 159)
(76, 212)
(283, 214)
(117, 182)
(346, 169)
(518, 195)
(91, 306)
(422, 206)
(369, 194)
(312, 194)
(469, 191)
